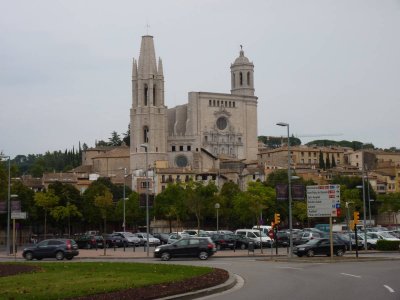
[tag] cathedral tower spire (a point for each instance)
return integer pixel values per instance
(148, 112)
(242, 75)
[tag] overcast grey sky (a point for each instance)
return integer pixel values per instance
(324, 67)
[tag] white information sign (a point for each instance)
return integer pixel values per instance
(18, 215)
(323, 200)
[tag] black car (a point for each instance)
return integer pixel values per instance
(163, 237)
(112, 241)
(58, 248)
(320, 246)
(224, 241)
(282, 238)
(90, 241)
(201, 247)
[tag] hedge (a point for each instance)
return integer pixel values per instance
(385, 245)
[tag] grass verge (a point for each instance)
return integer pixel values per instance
(61, 280)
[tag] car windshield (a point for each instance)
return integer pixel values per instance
(257, 233)
(312, 242)
(386, 235)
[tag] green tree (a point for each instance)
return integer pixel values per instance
(47, 201)
(327, 162)
(104, 202)
(60, 213)
(321, 161)
(115, 139)
(250, 204)
(300, 211)
(225, 198)
(199, 198)
(170, 204)
(333, 161)
(390, 203)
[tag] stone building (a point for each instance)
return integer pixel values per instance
(194, 136)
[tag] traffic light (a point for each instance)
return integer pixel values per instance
(277, 219)
(356, 217)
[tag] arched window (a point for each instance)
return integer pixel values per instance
(241, 78)
(146, 94)
(248, 78)
(154, 95)
(145, 134)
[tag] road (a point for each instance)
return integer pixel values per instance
(266, 279)
(308, 281)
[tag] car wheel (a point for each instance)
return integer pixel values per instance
(203, 255)
(39, 258)
(165, 256)
(339, 252)
(28, 255)
(243, 246)
(69, 257)
(88, 246)
(218, 247)
(299, 255)
(310, 253)
(60, 255)
(369, 246)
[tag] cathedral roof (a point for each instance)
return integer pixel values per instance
(147, 64)
(241, 59)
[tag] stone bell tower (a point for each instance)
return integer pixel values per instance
(148, 116)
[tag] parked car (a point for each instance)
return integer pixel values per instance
(201, 247)
(58, 248)
(112, 241)
(282, 238)
(163, 237)
(143, 239)
(194, 232)
(371, 242)
(305, 236)
(224, 241)
(320, 246)
(383, 235)
(345, 239)
(255, 236)
(90, 241)
(173, 237)
(242, 242)
(129, 238)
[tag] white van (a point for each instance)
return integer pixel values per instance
(254, 235)
(264, 228)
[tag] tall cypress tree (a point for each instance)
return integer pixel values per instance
(328, 162)
(321, 160)
(333, 161)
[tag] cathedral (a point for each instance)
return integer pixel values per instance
(197, 136)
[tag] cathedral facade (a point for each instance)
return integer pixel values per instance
(197, 135)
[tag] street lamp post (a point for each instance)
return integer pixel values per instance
(123, 223)
(369, 201)
(146, 146)
(348, 221)
(8, 204)
(289, 190)
(217, 206)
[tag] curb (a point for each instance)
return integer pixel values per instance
(227, 285)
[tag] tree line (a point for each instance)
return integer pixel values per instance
(63, 209)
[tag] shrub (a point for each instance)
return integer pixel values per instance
(387, 245)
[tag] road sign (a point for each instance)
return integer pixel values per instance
(18, 215)
(323, 200)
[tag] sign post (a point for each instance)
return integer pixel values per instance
(324, 201)
(16, 215)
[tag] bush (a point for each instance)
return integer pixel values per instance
(387, 245)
